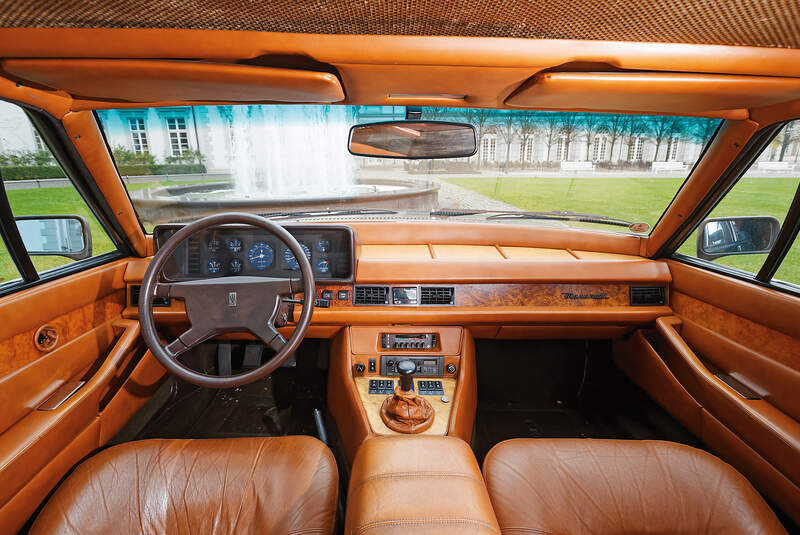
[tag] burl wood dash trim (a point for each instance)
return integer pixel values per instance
(20, 350)
(572, 295)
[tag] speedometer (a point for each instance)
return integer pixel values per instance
(261, 255)
(291, 261)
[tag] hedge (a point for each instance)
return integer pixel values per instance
(161, 169)
(26, 172)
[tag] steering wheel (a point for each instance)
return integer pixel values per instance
(226, 304)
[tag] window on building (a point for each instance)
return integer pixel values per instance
(672, 150)
(37, 139)
(600, 147)
(138, 135)
(526, 150)
(561, 149)
(488, 149)
(178, 135)
(635, 149)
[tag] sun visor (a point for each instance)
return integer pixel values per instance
(173, 81)
(706, 95)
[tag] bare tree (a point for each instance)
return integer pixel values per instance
(614, 126)
(551, 124)
(506, 127)
(786, 137)
(526, 130)
(590, 123)
(569, 129)
(659, 127)
(479, 118)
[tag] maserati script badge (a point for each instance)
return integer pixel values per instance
(570, 295)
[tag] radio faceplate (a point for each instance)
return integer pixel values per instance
(409, 341)
(426, 366)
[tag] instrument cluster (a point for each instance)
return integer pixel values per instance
(239, 250)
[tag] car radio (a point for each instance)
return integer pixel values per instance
(408, 341)
(427, 366)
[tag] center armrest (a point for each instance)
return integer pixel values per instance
(417, 484)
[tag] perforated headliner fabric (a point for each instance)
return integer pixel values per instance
(768, 23)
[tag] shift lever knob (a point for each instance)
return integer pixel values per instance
(405, 368)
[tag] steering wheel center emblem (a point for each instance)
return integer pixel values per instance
(232, 299)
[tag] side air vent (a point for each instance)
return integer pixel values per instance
(371, 295)
(437, 295)
(136, 289)
(647, 295)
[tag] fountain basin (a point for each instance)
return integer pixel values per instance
(188, 202)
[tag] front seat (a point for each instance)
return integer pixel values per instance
(582, 486)
(215, 486)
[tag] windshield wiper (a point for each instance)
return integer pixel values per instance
(555, 215)
(327, 213)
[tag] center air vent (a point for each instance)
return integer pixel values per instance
(647, 295)
(157, 301)
(371, 295)
(436, 295)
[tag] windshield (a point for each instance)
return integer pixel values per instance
(604, 171)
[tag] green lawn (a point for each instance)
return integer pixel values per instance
(634, 199)
(60, 201)
(645, 199)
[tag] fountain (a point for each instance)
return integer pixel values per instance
(284, 158)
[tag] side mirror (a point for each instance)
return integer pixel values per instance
(413, 140)
(723, 236)
(56, 235)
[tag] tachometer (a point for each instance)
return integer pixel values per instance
(213, 266)
(291, 261)
(261, 255)
(235, 245)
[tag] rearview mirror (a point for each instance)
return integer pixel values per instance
(56, 235)
(413, 140)
(723, 236)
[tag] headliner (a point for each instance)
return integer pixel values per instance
(761, 23)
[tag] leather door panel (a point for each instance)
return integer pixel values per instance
(95, 345)
(723, 329)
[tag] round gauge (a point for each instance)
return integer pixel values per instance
(213, 266)
(261, 255)
(323, 245)
(235, 245)
(213, 246)
(323, 266)
(235, 266)
(291, 261)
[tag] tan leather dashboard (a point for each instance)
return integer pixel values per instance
(512, 279)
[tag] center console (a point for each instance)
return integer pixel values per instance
(364, 377)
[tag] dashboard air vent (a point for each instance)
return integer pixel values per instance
(136, 289)
(647, 295)
(437, 295)
(371, 295)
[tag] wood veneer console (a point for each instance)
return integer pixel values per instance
(356, 411)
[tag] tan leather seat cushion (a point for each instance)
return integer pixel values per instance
(417, 484)
(242, 485)
(622, 487)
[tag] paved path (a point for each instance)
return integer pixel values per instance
(452, 196)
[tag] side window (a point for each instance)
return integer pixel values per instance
(789, 270)
(37, 190)
(8, 271)
(741, 230)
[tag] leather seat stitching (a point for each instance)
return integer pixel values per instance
(414, 475)
(421, 521)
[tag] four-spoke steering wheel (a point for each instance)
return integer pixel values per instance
(226, 305)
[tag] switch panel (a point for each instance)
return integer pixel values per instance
(430, 388)
(432, 366)
(381, 386)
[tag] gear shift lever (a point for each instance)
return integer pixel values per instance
(406, 368)
(405, 411)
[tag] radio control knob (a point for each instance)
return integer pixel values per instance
(451, 368)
